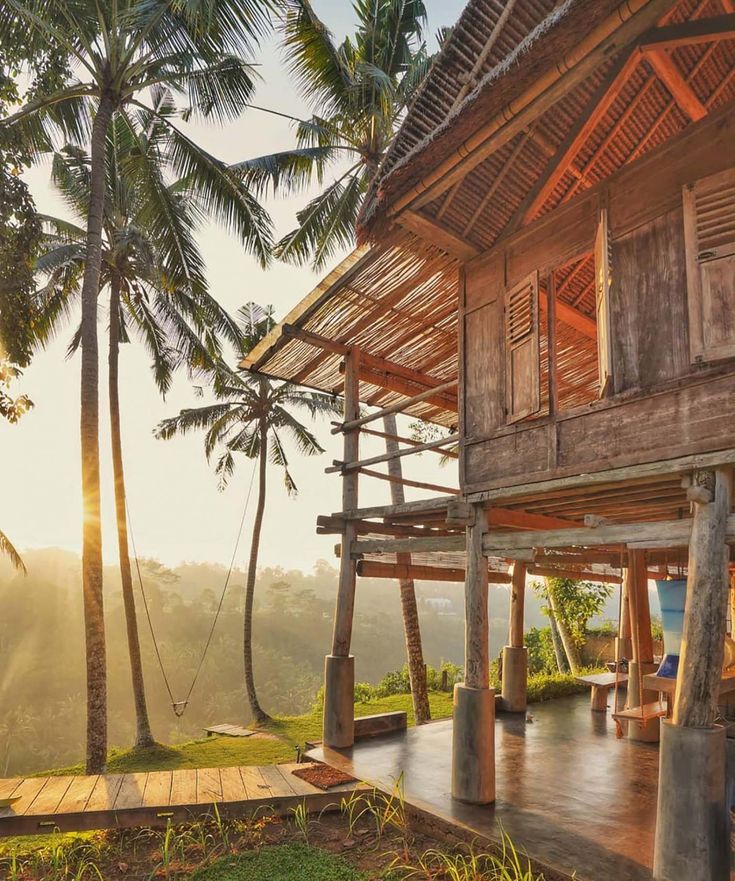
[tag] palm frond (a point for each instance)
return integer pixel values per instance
(7, 548)
(287, 172)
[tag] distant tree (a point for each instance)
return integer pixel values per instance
(569, 605)
(153, 272)
(119, 51)
(253, 416)
(358, 92)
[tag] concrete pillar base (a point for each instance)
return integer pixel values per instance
(338, 729)
(650, 732)
(473, 745)
(515, 674)
(691, 829)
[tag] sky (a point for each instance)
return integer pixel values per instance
(177, 512)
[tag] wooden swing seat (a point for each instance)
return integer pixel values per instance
(646, 713)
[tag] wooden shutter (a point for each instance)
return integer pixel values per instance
(709, 229)
(603, 277)
(523, 363)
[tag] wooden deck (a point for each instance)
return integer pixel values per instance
(74, 803)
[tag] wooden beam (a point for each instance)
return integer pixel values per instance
(395, 408)
(404, 481)
(526, 520)
(375, 569)
(343, 467)
(329, 525)
(586, 326)
(670, 75)
(437, 235)
(406, 440)
(438, 505)
(386, 380)
(476, 641)
(598, 105)
(701, 30)
(576, 574)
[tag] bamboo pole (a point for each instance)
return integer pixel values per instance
(387, 457)
(399, 407)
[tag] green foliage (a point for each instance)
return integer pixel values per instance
(577, 601)
(547, 686)
(541, 657)
(398, 681)
(358, 92)
(283, 863)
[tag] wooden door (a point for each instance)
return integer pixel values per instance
(523, 362)
(709, 228)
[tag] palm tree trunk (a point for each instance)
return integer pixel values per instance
(143, 736)
(94, 622)
(409, 608)
(258, 714)
(570, 648)
(561, 660)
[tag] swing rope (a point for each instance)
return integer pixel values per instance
(179, 707)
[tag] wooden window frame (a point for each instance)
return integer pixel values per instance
(532, 281)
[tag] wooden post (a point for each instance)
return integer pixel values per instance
(692, 841)
(409, 609)
(339, 674)
(473, 737)
(624, 644)
(642, 638)
(702, 647)
(476, 646)
(515, 654)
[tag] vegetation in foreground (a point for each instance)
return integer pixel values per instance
(368, 837)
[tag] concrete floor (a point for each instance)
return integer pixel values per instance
(569, 793)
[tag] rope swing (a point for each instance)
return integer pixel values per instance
(179, 706)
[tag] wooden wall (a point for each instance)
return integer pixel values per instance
(660, 392)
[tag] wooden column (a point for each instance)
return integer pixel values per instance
(515, 655)
(705, 615)
(476, 646)
(347, 568)
(642, 654)
(339, 670)
(692, 840)
(624, 644)
(473, 734)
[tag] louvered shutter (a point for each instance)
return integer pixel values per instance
(709, 227)
(603, 277)
(523, 363)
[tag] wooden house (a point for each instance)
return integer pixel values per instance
(548, 270)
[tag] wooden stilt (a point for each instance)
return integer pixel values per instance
(692, 841)
(517, 605)
(338, 723)
(515, 655)
(473, 736)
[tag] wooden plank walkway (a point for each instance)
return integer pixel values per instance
(105, 801)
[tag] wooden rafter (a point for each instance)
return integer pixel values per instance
(597, 107)
(437, 235)
(670, 75)
(701, 30)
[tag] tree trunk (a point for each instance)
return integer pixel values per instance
(143, 736)
(561, 660)
(409, 608)
(570, 648)
(258, 714)
(94, 622)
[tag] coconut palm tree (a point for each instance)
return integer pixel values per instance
(117, 52)
(153, 271)
(358, 92)
(254, 416)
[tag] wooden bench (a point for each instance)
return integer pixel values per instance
(380, 723)
(601, 684)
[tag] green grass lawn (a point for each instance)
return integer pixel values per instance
(220, 752)
(292, 732)
(285, 863)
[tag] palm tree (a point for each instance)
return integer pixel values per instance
(121, 50)
(153, 270)
(358, 92)
(253, 416)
